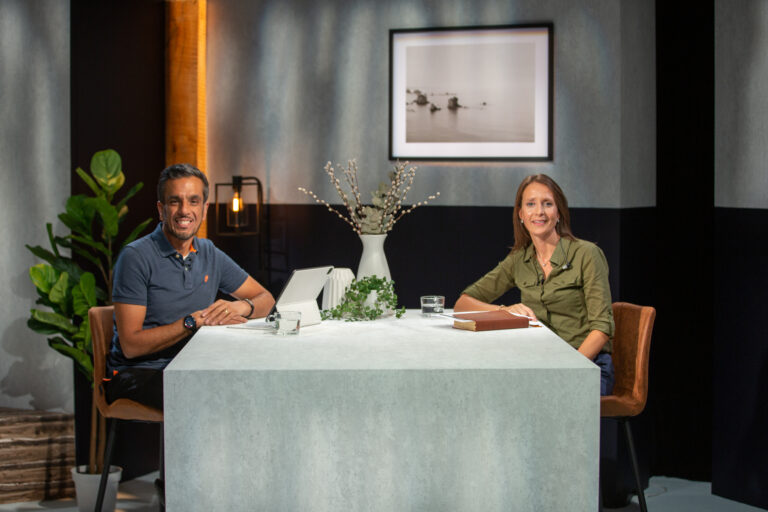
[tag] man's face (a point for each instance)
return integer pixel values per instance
(183, 209)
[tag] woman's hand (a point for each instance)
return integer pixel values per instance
(224, 312)
(520, 309)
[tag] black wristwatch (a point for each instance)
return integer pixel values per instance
(190, 323)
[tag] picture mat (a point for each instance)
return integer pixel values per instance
(407, 44)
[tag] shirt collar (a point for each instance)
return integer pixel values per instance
(558, 257)
(561, 251)
(163, 245)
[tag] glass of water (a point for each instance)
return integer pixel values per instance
(432, 304)
(287, 322)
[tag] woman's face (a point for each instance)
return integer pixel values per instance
(538, 211)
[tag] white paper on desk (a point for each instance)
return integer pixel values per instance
(258, 324)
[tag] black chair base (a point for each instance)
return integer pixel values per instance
(159, 483)
(635, 468)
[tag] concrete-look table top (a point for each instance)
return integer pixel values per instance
(393, 414)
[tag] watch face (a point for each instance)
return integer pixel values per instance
(189, 322)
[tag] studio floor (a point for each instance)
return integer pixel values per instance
(663, 495)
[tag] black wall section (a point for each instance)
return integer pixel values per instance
(435, 249)
(681, 351)
(740, 448)
(117, 79)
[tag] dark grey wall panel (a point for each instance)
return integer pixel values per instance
(741, 105)
(34, 168)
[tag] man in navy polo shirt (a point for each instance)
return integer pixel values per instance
(165, 287)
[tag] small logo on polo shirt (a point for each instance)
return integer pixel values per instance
(206, 278)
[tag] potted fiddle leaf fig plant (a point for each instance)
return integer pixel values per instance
(66, 290)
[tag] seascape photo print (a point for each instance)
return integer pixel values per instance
(470, 93)
(476, 93)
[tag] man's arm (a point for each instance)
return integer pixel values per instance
(136, 341)
(228, 312)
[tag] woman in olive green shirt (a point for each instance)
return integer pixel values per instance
(563, 281)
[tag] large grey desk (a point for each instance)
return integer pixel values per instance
(391, 415)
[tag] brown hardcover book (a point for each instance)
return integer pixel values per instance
(489, 321)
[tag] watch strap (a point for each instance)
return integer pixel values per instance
(250, 303)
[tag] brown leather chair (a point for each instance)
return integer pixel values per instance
(631, 350)
(100, 319)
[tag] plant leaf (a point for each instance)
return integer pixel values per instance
(69, 266)
(49, 229)
(83, 338)
(43, 254)
(132, 192)
(106, 166)
(82, 359)
(116, 183)
(90, 243)
(58, 293)
(41, 327)
(108, 214)
(87, 286)
(89, 181)
(79, 214)
(136, 231)
(43, 276)
(79, 303)
(60, 322)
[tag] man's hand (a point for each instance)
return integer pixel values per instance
(223, 312)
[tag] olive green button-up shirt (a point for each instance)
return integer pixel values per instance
(573, 301)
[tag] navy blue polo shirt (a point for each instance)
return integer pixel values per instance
(151, 273)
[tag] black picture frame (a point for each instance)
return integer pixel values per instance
(471, 93)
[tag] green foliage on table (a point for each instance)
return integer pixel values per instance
(61, 283)
(355, 305)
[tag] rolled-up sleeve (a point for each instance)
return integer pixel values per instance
(495, 283)
(597, 291)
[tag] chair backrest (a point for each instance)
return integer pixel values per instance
(631, 352)
(100, 318)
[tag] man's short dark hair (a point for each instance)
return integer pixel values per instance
(177, 171)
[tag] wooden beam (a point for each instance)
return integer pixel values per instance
(185, 111)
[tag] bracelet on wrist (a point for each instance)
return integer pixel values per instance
(250, 303)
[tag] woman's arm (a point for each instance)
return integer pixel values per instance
(597, 298)
(593, 344)
(467, 303)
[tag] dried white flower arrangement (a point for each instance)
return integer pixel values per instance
(386, 206)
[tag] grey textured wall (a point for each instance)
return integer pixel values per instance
(35, 149)
(741, 104)
(295, 83)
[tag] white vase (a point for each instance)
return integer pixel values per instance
(87, 487)
(373, 261)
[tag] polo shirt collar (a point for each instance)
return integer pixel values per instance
(163, 245)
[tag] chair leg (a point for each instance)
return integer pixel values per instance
(160, 482)
(107, 461)
(633, 456)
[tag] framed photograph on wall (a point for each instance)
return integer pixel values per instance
(471, 93)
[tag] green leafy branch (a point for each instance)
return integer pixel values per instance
(366, 299)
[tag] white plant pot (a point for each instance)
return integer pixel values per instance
(373, 261)
(87, 487)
